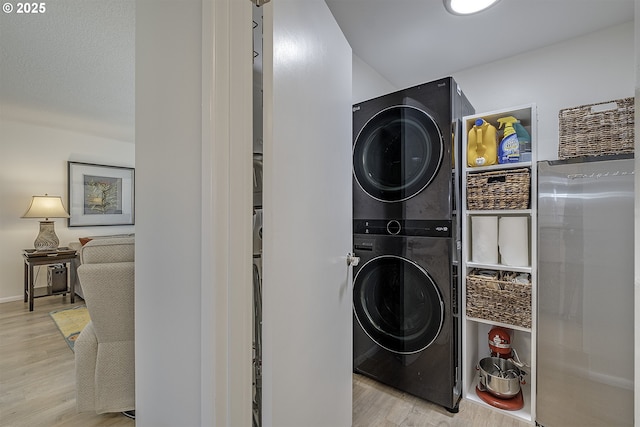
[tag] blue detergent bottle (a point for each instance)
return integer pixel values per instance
(509, 148)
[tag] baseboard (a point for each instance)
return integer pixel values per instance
(20, 298)
(11, 299)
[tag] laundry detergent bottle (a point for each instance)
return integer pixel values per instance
(509, 149)
(482, 144)
(524, 139)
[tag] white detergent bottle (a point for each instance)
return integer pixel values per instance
(509, 148)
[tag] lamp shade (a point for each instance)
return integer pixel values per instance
(46, 207)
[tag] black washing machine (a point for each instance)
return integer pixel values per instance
(406, 324)
(402, 152)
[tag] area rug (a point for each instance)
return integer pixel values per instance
(70, 322)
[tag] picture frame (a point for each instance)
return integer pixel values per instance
(100, 195)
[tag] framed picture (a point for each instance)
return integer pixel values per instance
(100, 195)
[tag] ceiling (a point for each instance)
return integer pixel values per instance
(72, 66)
(413, 41)
(76, 62)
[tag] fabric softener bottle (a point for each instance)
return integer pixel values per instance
(525, 142)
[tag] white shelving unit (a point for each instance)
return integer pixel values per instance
(475, 330)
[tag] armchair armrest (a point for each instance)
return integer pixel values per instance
(109, 295)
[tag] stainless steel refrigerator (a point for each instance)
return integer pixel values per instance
(585, 293)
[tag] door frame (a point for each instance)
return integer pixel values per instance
(227, 173)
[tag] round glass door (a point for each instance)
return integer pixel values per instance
(397, 304)
(397, 153)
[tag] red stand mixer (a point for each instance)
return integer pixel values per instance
(500, 343)
(501, 373)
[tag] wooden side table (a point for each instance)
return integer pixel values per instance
(34, 258)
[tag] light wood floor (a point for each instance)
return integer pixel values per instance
(37, 379)
(376, 405)
(37, 383)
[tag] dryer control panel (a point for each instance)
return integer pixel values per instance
(401, 227)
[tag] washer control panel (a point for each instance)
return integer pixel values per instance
(401, 227)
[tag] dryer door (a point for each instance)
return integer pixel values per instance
(398, 304)
(397, 153)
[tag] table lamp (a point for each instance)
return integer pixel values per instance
(46, 207)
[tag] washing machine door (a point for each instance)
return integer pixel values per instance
(397, 153)
(397, 304)
(257, 180)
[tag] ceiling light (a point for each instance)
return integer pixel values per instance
(467, 7)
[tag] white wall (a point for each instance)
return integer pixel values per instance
(168, 210)
(367, 82)
(594, 68)
(33, 161)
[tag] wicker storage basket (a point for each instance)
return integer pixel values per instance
(600, 129)
(501, 189)
(499, 300)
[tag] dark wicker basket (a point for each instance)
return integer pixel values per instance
(501, 189)
(499, 300)
(604, 128)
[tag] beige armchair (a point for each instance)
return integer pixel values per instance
(104, 351)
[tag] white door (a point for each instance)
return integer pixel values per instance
(307, 289)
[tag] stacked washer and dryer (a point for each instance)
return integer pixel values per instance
(406, 186)
(257, 290)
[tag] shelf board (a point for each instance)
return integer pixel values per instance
(500, 267)
(494, 323)
(502, 212)
(518, 165)
(43, 291)
(524, 113)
